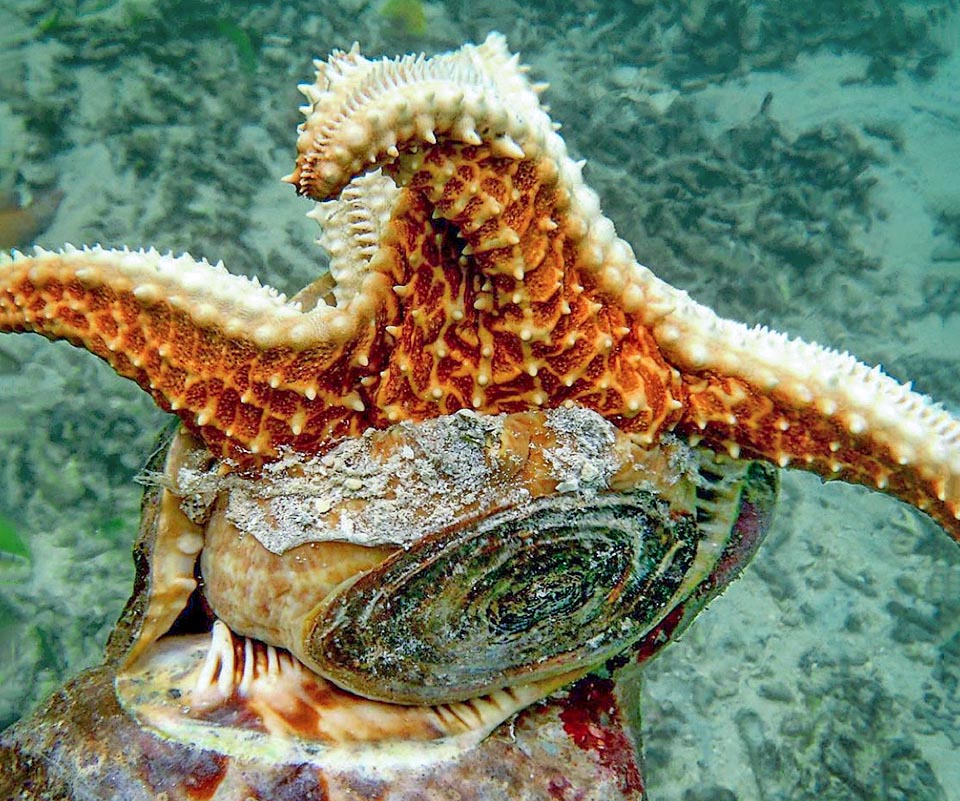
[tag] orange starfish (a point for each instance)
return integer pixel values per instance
(470, 268)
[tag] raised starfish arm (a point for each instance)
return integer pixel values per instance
(567, 312)
(473, 269)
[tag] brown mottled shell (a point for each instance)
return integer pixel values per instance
(240, 719)
(418, 509)
(417, 584)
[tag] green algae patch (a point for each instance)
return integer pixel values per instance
(241, 40)
(11, 544)
(409, 14)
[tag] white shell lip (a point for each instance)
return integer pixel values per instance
(241, 698)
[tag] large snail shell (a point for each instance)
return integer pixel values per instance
(464, 567)
(556, 585)
(439, 561)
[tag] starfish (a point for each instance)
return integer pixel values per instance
(470, 267)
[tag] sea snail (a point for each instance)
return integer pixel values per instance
(430, 579)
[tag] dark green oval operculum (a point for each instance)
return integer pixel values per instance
(555, 585)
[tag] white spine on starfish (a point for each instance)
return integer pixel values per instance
(211, 296)
(352, 95)
(362, 112)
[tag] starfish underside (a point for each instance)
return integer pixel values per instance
(470, 268)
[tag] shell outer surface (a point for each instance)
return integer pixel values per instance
(83, 746)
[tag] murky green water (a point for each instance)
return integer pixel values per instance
(789, 164)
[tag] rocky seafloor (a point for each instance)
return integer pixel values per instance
(788, 164)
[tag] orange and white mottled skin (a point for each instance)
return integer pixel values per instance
(472, 269)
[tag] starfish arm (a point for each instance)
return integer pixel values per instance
(363, 112)
(352, 229)
(757, 392)
(246, 370)
(473, 110)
